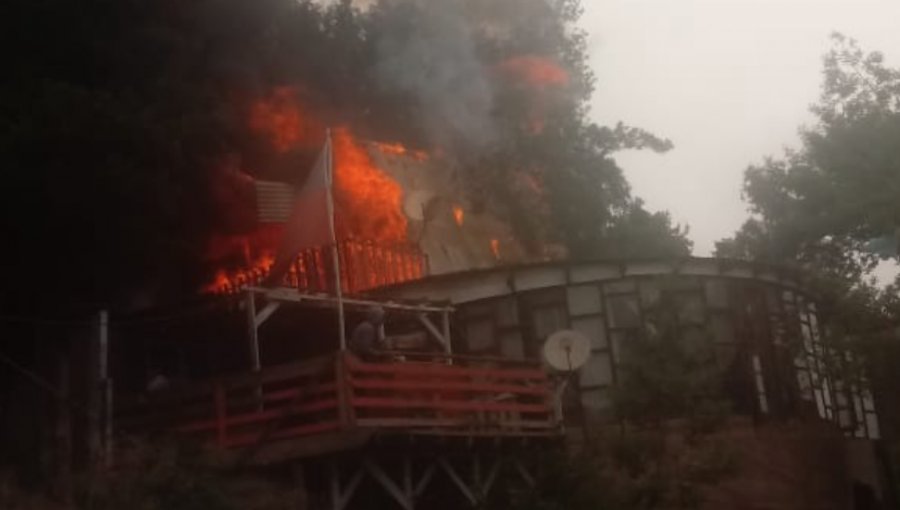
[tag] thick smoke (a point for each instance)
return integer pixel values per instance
(432, 57)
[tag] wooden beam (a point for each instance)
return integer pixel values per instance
(445, 319)
(491, 478)
(423, 482)
(266, 312)
(340, 499)
(408, 489)
(524, 473)
(443, 338)
(291, 295)
(460, 484)
(388, 484)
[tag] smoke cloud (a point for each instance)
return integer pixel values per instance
(431, 56)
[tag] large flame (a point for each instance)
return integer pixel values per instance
(369, 201)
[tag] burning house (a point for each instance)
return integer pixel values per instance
(464, 399)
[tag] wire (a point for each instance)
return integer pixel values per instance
(35, 378)
(199, 310)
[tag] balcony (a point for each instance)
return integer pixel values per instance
(338, 403)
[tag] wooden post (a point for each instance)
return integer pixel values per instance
(108, 442)
(299, 475)
(346, 416)
(95, 397)
(445, 318)
(63, 431)
(221, 414)
(101, 410)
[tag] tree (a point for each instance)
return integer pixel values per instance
(833, 207)
(832, 204)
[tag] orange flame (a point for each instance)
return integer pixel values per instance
(281, 117)
(224, 280)
(537, 71)
(458, 214)
(398, 149)
(495, 248)
(369, 201)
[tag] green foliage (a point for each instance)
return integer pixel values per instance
(665, 449)
(180, 477)
(668, 374)
(825, 204)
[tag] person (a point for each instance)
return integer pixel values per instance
(364, 341)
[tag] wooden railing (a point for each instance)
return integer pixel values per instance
(365, 265)
(439, 396)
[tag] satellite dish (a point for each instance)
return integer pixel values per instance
(567, 350)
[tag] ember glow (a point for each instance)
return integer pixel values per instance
(458, 215)
(495, 248)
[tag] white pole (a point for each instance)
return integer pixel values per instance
(253, 331)
(334, 246)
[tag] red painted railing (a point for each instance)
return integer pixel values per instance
(438, 397)
(365, 265)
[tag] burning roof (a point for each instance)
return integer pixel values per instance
(386, 195)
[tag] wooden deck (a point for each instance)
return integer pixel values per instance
(338, 403)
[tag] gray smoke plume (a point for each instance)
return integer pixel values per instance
(434, 60)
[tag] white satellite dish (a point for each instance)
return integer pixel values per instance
(567, 350)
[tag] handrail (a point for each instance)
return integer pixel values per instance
(341, 392)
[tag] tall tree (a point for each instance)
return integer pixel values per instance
(833, 207)
(834, 204)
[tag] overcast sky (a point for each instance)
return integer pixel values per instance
(729, 81)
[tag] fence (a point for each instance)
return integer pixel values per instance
(438, 396)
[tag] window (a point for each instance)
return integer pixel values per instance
(507, 312)
(721, 329)
(511, 345)
(584, 299)
(597, 371)
(717, 293)
(623, 311)
(592, 328)
(480, 334)
(650, 294)
(548, 320)
(760, 385)
(690, 308)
